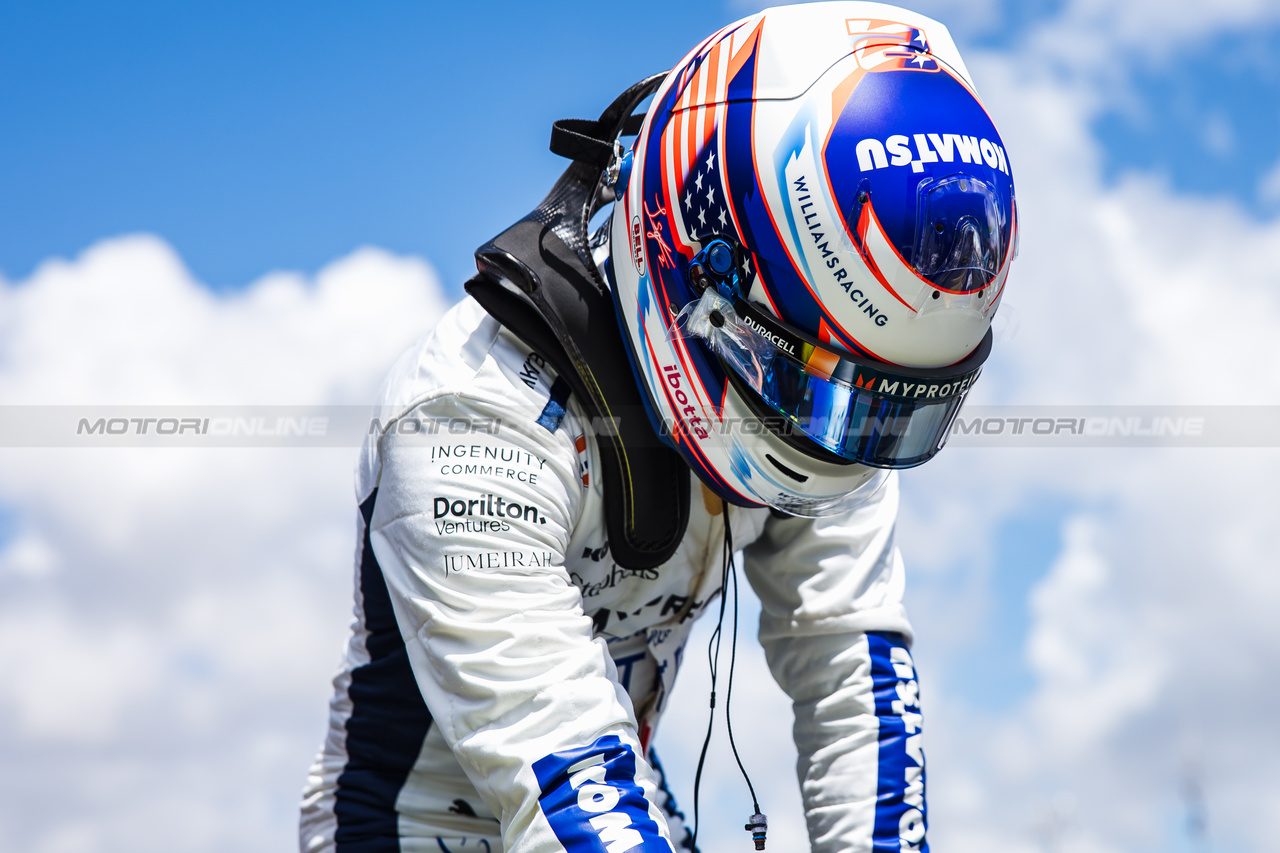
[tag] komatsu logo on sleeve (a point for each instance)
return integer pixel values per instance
(897, 150)
(593, 803)
(901, 815)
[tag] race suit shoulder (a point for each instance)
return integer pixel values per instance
(504, 676)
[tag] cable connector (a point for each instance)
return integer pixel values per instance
(758, 825)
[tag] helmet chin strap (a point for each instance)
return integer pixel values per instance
(757, 823)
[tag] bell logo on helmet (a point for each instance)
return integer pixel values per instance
(637, 244)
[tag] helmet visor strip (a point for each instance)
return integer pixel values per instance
(960, 233)
(867, 412)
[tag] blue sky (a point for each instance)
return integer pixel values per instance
(992, 674)
(259, 136)
(1210, 120)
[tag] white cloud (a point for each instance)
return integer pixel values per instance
(1089, 684)
(126, 323)
(1219, 136)
(1269, 186)
(1103, 38)
(1148, 645)
(70, 681)
(169, 619)
(28, 555)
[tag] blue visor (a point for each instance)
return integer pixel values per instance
(859, 410)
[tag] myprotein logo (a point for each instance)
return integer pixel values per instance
(898, 150)
(903, 388)
(592, 801)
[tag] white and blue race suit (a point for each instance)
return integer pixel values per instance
(504, 677)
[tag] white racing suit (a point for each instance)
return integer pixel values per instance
(504, 676)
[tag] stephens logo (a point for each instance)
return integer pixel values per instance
(929, 148)
(616, 577)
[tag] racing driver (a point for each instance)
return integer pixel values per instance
(804, 241)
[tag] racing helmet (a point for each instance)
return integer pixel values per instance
(812, 232)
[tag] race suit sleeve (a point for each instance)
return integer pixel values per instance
(470, 533)
(836, 637)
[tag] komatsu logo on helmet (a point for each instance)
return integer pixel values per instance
(929, 148)
(637, 244)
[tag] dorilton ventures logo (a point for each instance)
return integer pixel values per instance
(487, 506)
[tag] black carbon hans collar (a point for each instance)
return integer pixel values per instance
(538, 279)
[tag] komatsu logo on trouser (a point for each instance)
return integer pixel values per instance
(593, 803)
(901, 816)
(929, 148)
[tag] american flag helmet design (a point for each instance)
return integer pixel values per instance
(842, 148)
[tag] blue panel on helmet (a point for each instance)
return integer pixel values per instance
(902, 131)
